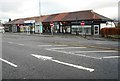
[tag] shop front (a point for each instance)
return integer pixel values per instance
(38, 27)
(65, 27)
(81, 27)
(81, 22)
(29, 26)
(78, 29)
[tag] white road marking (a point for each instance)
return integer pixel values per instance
(75, 66)
(110, 57)
(64, 48)
(16, 43)
(21, 44)
(87, 56)
(71, 53)
(14, 65)
(63, 63)
(74, 52)
(99, 43)
(95, 51)
(10, 42)
(42, 57)
(50, 45)
(44, 45)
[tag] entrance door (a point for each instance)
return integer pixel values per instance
(96, 29)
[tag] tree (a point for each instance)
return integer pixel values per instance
(9, 19)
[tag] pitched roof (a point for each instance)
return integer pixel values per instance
(12, 22)
(43, 18)
(69, 16)
(59, 17)
(19, 21)
(79, 15)
(50, 17)
(84, 15)
(98, 16)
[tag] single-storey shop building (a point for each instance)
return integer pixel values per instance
(80, 22)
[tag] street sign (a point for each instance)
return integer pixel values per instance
(51, 24)
(82, 23)
(29, 21)
(61, 23)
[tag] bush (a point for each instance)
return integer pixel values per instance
(106, 32)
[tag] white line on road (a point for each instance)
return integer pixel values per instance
(14, 65)
(110, 57)
(21, 44)
(42, 57)
(71, 53)
(99, 43)
(88, 56)
(50, 45)
(16, 43)
(10, 42)
(94, 51)
(65, 48)
(63, 63)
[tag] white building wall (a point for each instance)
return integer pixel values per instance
(108, 25)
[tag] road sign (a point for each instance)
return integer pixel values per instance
(61, 23)
(82, 23)
(51, 24)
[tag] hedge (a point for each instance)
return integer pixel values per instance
(106, 32)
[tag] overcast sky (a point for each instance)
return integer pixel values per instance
(28, 8)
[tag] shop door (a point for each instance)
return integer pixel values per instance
(96, 29)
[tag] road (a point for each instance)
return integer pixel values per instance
(58, 57)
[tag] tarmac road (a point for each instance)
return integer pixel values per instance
(39, 57)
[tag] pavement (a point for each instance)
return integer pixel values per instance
(76, 40)
(70, 35)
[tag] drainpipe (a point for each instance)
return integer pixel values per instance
(92, 28)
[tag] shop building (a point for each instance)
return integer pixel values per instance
(80, 22)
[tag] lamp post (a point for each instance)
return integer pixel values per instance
(77, 29)
(83, 30)
(40, 23)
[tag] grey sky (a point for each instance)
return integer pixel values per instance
(27, 8)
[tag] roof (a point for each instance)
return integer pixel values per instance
(19, 21)
(12, 22)
(59, 17)
(79, 15)
(69, 16)
(50, 17)
(42, 18)
(98, 16)
(84, 15)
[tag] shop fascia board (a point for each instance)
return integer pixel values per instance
(29, 21)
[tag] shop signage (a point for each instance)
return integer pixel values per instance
(61, 23)
(51, 24)
(29, 21)
(82, 23)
